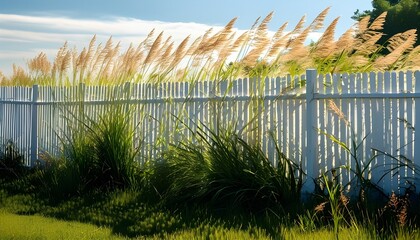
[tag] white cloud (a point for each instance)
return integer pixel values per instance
(113, 26)
(23, 37)
(21, 34)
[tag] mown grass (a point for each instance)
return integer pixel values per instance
(121, 214)
(14, 226)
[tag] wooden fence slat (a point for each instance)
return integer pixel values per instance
(36, 117)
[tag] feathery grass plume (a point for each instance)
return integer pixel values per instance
(395, 41)
(363, 24)
(107, 55)
(196, 48)
(218, 40)
(40, 65)
(85, 58)
(128, 64)
(241, 42)
(153, 51)
(166, 56)
(146, 44)
(368, 46)
(296, 60)
(325, 46)
(412, 60)
(378, 23)
(318, 22)
(337, 111)
(367, 37)
(226, 51)
(61, 63)
(110, 70)
(346, 41)
(95, 63)
(163, 49)
(248, 40)
(398, 44)
(20, 77)
(195, 45)
(278, 42)
(299, 26)
(259, 43)
(2, 79)
(211, 48)
(80, 59)
(297, 47)
(179, 53)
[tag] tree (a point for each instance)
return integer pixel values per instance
(402, 16)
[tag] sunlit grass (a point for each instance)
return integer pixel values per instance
(14, 226)
(226, 54)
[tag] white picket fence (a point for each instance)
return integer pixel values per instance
(378, 110)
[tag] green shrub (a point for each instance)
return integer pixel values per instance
(224, 170)
(97, 154)
(11, 160)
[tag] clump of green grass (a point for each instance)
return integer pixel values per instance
(11, 160)
(97, 154)
(223, 170)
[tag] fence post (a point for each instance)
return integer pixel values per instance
(417, 124)
(34, 129)
(311, 134)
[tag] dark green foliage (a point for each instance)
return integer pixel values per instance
(11, 161)
(225, 171)
(97, 154)
(402, 16)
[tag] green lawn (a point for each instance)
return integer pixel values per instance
(14, 226)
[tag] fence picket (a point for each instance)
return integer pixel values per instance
(381, 106)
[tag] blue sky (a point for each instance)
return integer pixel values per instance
(28, 27)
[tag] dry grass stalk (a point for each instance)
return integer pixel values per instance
(20, 77)
(179, 54)
(318, 22)
(378, 23)
(158, 59)
(363, 24)
(367, 37)
(298, 28)
(346, 41)
(40, 65)
(154, 49)
(278, 42)
(260, 43)
(326, 45)
(200, 43)
(165, 57)
(218, 40)
(398, 45)
(85, 57)
(162, 49)
(337, 111)
(3, 79)
(369, 46)
(226, 52)
(297, 47)
(412, 60)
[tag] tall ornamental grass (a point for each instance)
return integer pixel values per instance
(97, 154)
(226, 54)
(223, 170)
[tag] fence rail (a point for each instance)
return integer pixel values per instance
(377, 110)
